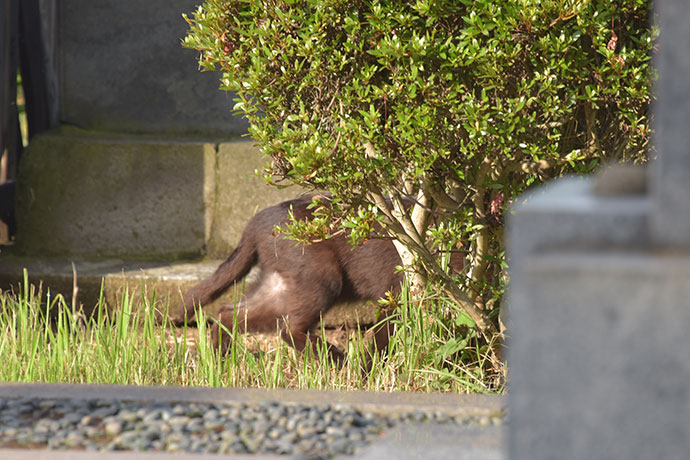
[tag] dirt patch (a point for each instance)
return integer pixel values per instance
(256, 342)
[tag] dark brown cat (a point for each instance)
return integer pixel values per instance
(298, 283)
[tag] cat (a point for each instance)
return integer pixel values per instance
(299, 283)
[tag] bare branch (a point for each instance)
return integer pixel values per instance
(440, 197)
(480, 247)
(421, 211)
(534, 167)
(590, 118)
(401, 214)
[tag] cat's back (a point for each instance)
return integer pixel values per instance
(369, 268)
(280, 253)
(269, 218)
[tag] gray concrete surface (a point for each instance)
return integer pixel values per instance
(599, 357)
(167, 280)
(671, 187)
(100, 197)
(568, 214)
(36, 454)
(598, 313)
(426, 442)
(122, 68)
(411, 441)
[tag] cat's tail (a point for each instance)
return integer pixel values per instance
(233, 269)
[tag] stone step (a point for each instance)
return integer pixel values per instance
(166, 280)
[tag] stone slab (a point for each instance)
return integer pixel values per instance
(567, 214)
(422, 442)
(95, 195)
(598, 355)
(37, 454)
(375, 402)
(240, 194)
(114, 197)
(122, 68)
(167, 280)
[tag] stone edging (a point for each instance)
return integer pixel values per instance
(375, 402)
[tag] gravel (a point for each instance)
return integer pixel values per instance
(270, 427)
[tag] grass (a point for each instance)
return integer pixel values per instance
(42, 339)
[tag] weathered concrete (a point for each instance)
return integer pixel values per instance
(599, 352)
(423, 442)
(166, 280)
(100, 197)
(239, 194)
(122, 68)
(376, 402)
(568, 214)
(597, 320)
(94, 195)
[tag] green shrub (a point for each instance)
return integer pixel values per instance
(459, 104)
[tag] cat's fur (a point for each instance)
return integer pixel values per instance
(298, 282)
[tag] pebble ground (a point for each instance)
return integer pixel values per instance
(269, 427)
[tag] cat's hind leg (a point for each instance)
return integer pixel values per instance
(278, 303)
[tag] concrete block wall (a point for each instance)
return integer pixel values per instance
(148, 163)
(137, 197)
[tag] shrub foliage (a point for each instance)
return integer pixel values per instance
(459, 105)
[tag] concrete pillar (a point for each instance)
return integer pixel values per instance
(671, 172)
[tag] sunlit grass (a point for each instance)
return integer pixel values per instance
(43, 340)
